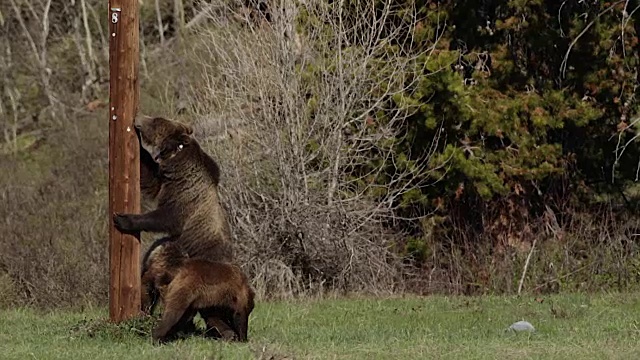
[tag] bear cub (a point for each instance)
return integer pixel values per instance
(216, 290)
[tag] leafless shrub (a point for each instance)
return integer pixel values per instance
(52, 61)
(295, 118)
(53, 249)
(37, 38)
(588, 250)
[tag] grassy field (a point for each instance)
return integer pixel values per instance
(604, 326)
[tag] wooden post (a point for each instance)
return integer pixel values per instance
(124, 158)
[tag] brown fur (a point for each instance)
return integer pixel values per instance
(219, 291)
(183, 180)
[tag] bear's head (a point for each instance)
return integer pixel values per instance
(163, 139)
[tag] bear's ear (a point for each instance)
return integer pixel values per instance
(188, 129)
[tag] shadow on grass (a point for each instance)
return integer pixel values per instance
(139, 327)
(104, 329)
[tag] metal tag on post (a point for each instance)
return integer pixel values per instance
(115, 15)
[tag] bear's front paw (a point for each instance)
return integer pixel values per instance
(158, 339)
(123, 223)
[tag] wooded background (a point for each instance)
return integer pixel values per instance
(462, 147)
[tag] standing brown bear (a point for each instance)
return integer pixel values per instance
(183, 180)
(217, 290)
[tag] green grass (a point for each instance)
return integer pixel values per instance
(604, 326)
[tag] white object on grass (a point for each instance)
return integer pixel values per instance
(521, 326)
